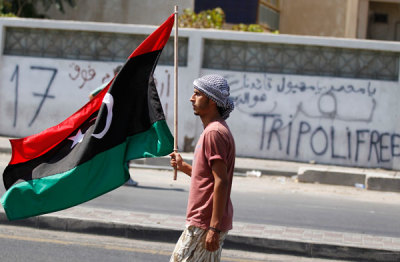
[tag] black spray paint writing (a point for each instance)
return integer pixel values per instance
(250, 101)
(284, 86)
(15, 77)
(372, 145)
(164, 90)
(45, 95)
(79, 73)
(264, 95)
(259, 98)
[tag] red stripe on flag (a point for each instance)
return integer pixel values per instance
(27, 148)
(156, 40)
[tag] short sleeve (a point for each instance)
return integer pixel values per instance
(215, 147)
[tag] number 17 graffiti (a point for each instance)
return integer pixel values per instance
(15, 77)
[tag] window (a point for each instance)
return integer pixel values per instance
(268, 14)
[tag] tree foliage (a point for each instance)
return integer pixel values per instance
(213, 18)
(248, 28)
(28, 8)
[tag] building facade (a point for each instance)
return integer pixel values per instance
(362, 19)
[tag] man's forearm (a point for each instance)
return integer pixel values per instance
(220, 195)
(186, 168)
(220, 198)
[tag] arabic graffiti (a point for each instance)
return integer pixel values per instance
(281, 84)
(163, 83)
(297, 115)
(84, 74)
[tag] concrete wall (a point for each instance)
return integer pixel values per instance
(329, 119)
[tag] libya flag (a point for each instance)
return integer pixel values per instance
(86, 155)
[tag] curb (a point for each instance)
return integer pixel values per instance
(330, 177)
(5, 150)
(314, 250)
(77, 225)
(360, 179)
(233, 241)
(383, 184)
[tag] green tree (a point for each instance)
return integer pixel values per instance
(28, 8)
(248, 28)
(214, 18)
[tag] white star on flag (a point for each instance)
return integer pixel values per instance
(76, 139)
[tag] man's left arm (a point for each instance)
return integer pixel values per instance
(220, 198)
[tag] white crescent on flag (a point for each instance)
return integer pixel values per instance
(109, 101)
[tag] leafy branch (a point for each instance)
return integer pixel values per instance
(28, 8)
(214, 18)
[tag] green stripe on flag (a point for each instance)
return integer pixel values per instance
(105, 172)
(144, 145)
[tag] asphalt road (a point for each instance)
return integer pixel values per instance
(18, 244)
(274, 201)
(288, 208)
(266, 200)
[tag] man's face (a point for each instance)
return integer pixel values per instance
(200, 103)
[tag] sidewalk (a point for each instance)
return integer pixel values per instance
(244, 236)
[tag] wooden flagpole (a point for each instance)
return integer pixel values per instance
(176, 87)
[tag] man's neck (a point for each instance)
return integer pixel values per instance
(207, 119)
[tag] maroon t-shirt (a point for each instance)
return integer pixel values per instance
(216, 142)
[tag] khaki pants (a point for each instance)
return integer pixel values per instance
(190, 247)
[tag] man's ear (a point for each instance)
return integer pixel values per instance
(215, 106)
(212, 102)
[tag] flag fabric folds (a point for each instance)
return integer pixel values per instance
(86, 155)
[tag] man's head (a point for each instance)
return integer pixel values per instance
(216, 88)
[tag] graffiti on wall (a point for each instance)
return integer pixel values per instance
(35, 91)
(15, 80)
(82, 74)
(165, 91)
(327, 119)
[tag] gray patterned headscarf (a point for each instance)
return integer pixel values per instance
(216, 88)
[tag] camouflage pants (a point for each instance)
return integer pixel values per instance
(190, 247)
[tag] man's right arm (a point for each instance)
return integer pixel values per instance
(178, 163)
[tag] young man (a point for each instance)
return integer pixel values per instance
(209, 210)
